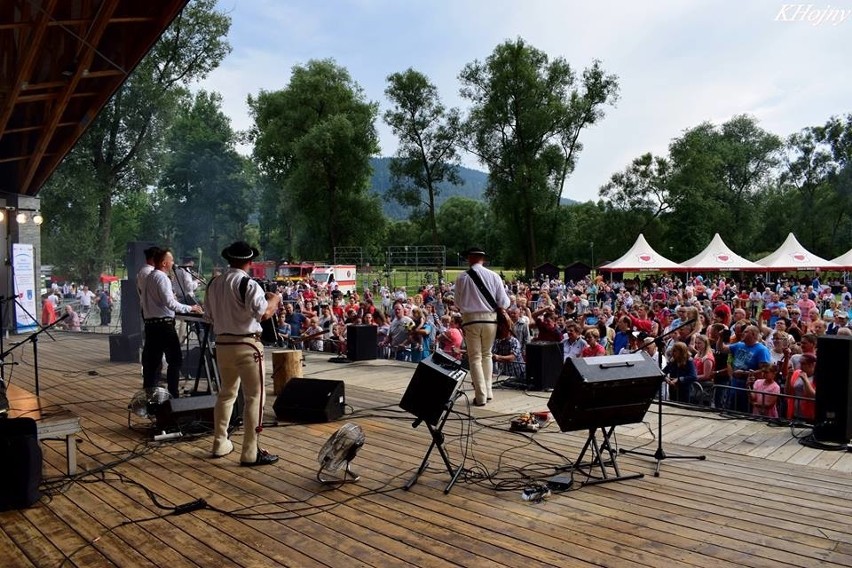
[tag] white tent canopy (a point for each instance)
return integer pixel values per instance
(791, 255)
(844, 261)
(640, 257)
(717, 257)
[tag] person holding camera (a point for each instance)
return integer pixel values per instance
(748, 356)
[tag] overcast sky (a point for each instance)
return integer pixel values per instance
(679, 62)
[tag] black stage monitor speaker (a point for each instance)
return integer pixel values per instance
(361, 342)
(181, 413)
(311, 401)
(544, 364)
(124, 348)
(21, 459)
(833, 383)
(604, 391)
(432, 388)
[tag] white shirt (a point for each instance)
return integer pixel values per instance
(184, 285)
(469, 299)
(159, 300)
(225, 308)
(141, 280)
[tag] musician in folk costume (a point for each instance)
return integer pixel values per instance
(235, 305)
(479, 293)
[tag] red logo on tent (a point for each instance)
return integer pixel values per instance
(799, 256)
(645, 258)
(723, 258)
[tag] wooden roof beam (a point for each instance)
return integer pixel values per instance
(96, 32)
(26, 67)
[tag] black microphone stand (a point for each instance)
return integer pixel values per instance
(34, 340)
(3, 316)
(660, 454)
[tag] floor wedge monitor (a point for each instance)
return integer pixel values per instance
(310, 401)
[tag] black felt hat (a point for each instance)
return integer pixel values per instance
(240, 251)
(474, 251)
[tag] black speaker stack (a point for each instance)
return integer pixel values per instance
(833, 382)
(361, 342)
(544, 364)
(310, 401)
(21, 459)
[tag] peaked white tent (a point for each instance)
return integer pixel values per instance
(844, 261)
(717, 257)
(640, 257)
(791, 255)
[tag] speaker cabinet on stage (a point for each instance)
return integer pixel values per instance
(544, 364)
(310, 400)
(833, 421)
(134, 257)
(20, 454)
(361, 342)
(178, 413)
(598, 392)
(124, 348)
(432, 388)
(131, 310)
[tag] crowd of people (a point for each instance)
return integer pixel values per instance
(61, 300)
(733, 345)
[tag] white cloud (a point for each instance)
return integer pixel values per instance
(679, 62)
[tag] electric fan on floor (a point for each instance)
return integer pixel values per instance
(146, 403)
(340, 450)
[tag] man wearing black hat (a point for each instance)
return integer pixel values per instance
(158, 308)
(236, 304)
(479, 292)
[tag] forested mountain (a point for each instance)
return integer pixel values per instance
(473, 187)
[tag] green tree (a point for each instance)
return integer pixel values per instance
(527, 113)
(314, 138)
(202, 169)
(464, 222)
(643, 188)
(120, 152)
(428, 138)
(718, 174)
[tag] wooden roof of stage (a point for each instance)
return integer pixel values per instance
(60, 62)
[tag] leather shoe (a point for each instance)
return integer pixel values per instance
(263, 458)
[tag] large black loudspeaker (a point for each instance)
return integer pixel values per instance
(361, 342)
(311, 400)
(598, 392)
(21, 459)
(432, 388)
(134, 257)
(178, 413)
(833, 421)
(544, 364)
(131, 310)
(124, 348)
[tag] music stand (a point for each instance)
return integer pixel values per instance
(597, 394)
(430, 397)
(660, 454)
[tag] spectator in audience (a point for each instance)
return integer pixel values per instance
(72, 322)
(764, 391)
(506, 352)
(593, 347)
(573, 344)
(680, 373)
(748, 356)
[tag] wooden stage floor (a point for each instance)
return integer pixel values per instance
(760, 499)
